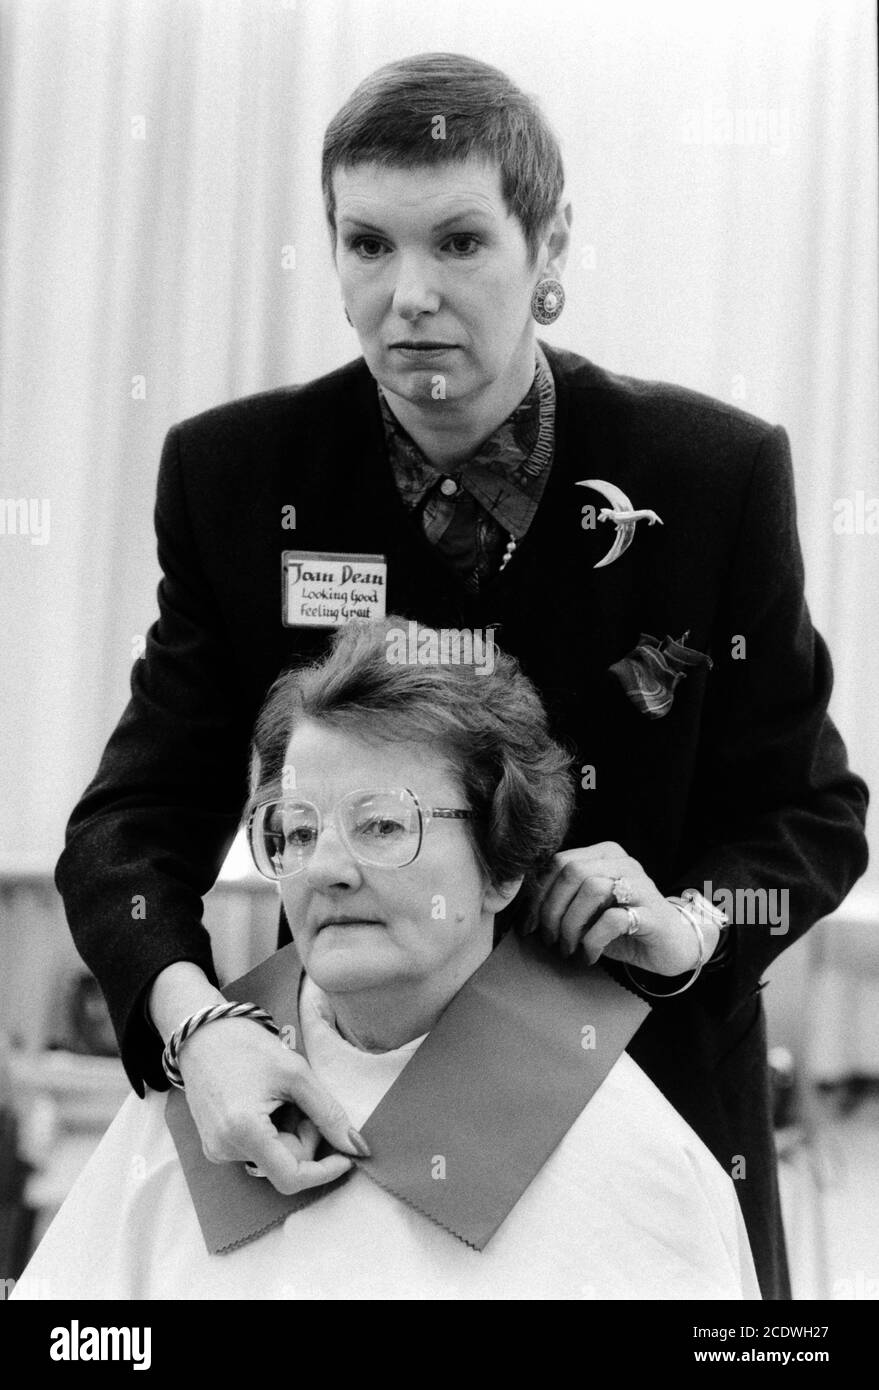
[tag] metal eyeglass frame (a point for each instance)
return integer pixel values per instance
(425, 815)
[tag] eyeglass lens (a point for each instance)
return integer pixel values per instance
(379, 827)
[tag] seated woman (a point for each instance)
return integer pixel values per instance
(400, 807)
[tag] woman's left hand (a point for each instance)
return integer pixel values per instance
(575, 906)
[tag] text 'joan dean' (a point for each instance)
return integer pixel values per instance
(321, 589)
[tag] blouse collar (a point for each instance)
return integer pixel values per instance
(508, 471)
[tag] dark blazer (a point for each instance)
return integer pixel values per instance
(743, 783)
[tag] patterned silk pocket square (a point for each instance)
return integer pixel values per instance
(651, 671)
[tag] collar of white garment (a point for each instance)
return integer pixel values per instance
(493, 1087)
(357, 1077)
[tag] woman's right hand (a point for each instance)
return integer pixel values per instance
(235, 1074)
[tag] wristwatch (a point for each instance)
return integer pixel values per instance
(707, 913)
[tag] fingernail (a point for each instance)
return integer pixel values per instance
(358, 1142)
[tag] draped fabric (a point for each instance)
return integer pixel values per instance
(165, 249)
(631, 1205)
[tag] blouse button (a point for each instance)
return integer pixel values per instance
(448, 487)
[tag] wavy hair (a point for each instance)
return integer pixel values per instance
(489, 725)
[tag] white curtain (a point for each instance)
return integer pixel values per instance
(160, 158)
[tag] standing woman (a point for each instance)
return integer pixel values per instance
(467, 475)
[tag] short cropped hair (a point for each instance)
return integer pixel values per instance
(391, 119)
(489, 725)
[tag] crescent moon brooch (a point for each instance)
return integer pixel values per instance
(624, 516)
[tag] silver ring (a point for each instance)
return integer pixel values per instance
(253, 1170)
(634, 921)
(622, 890)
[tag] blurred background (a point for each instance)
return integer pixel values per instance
(164, 249)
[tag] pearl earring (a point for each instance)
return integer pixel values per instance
(548, 300)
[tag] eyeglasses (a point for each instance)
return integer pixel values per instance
(383, 828)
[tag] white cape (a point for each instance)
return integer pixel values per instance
(631, 1205)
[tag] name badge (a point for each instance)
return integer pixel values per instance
(328, 590)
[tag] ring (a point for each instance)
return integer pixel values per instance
(253, 1170)
(634, 921)
(623, 892)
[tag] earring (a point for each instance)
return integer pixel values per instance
(548, 300)
(347, 315)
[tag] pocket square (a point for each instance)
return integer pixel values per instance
(650, 672)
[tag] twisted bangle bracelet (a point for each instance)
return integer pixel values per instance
(198, 1020)
(697, 928)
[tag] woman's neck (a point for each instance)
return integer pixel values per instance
(375, 1021)
(390, 1015)
(449, 432)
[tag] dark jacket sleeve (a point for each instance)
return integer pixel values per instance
(150, 832)
(776, 818)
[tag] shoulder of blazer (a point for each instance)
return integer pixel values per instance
(229, 453)
(674, 449)
(640, 396)
(669, 423)
(267, 411)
